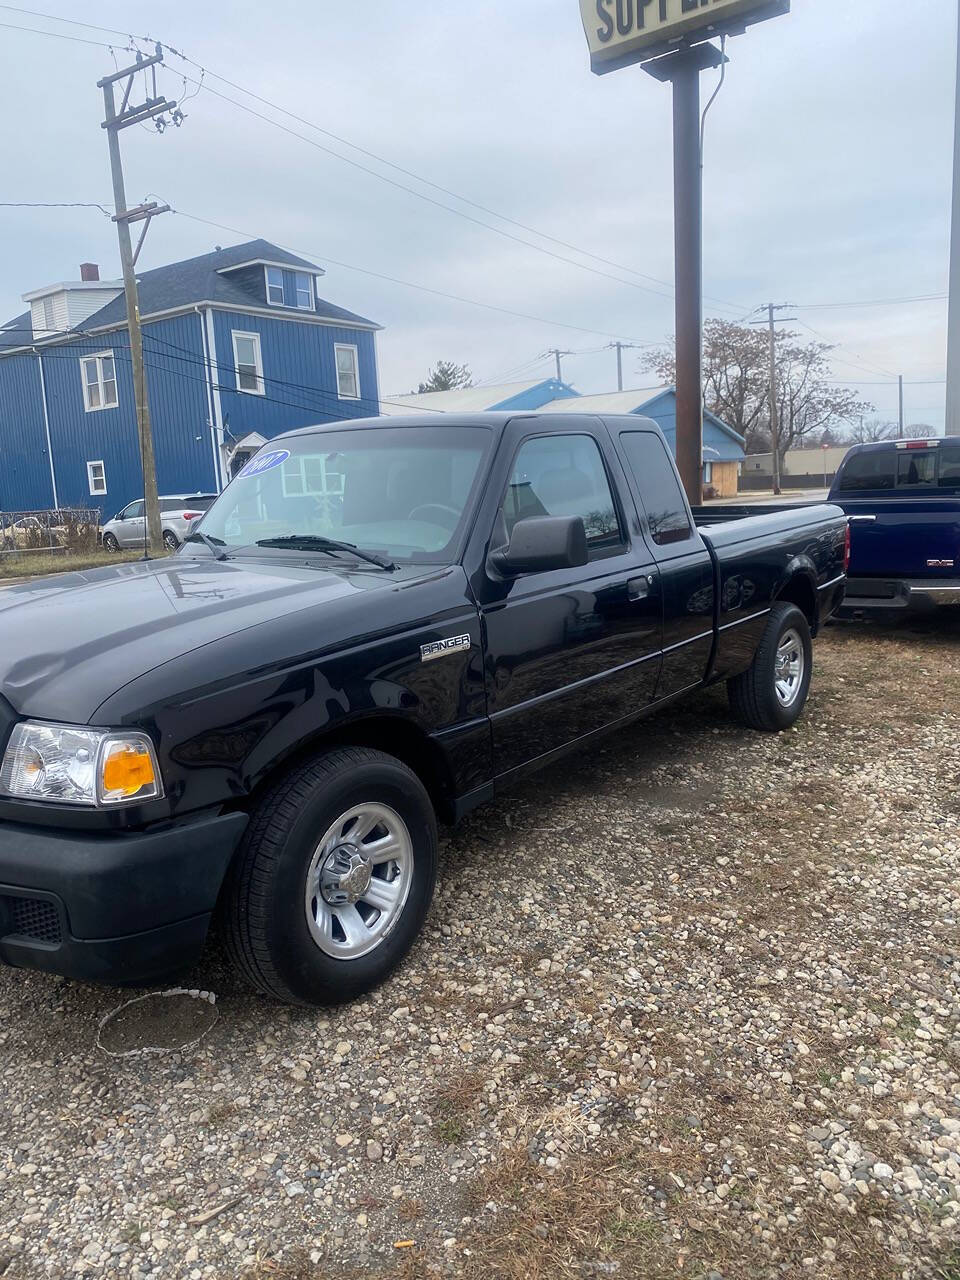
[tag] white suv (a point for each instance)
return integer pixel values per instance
(128, 528)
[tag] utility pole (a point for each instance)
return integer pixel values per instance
(952, 425)
(900, 430)
(113, 122)
(557, 355)
(771, 321)
(620, 347)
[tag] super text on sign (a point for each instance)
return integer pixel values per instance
(621, 31)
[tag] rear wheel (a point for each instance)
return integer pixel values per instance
(334, 877)
(170, 540)
(771, 694)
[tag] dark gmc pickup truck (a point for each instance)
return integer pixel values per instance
(903, 501)
(376, 624)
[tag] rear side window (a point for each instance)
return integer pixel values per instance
(950, 467)
(916, 469)
(657, 481)
(563, 476)
(865, 471)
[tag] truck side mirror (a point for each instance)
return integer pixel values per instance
(542, 543)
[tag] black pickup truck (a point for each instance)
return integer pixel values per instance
(374, 626)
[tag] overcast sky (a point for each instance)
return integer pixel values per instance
(827, 173)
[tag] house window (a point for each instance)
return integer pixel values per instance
(306, 475)
(99, 374)
(275, 286)
(348, 373)
(248, 362)
(96, 479)
(304, 291)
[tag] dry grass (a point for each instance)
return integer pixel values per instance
(41, 565)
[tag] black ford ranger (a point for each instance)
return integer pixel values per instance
(376, 624)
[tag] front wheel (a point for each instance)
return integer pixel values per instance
(110, 543)
(334, 877)
(771, 694)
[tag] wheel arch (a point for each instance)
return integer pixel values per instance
(800, 588)
(396, 736)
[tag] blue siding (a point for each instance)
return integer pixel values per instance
(536, 397)
(24, 462)
(173, 358)
(663, 410)
(300, 377)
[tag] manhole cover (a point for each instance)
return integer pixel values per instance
(162, 1022)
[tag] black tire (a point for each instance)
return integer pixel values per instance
(110, 543)
(266, 931)
(170, 540)
(753, 695)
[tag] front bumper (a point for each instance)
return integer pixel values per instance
(899, 595)
(120, 908)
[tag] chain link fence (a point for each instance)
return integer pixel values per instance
(68, 531)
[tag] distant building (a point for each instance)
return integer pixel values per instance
(810, 468)
(238, 346)
(506, 396)
(723, 451)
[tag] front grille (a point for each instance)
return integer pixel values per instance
(33, 918)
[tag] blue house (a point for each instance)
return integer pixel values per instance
(723, 448)
(238, 346)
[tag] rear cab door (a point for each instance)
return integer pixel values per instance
(903, 503)
(569, 651)
(686, 572)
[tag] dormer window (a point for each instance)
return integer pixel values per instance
(275, 286)
(289, 289)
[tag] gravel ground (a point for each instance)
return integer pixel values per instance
(686, 1006)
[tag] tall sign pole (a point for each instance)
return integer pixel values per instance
(113, 122)
(668, 37)
(952, 427)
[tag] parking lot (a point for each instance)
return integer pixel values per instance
(685, 1006)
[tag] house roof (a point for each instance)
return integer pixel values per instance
(461, 400)
(17, 332)
(631, 402)
(204, 279)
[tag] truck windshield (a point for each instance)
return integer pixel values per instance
(401, 491)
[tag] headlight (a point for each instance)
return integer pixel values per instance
(73, 765)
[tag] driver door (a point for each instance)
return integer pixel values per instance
(130, 525)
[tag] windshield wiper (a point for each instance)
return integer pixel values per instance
(213, 545)
(315, 542)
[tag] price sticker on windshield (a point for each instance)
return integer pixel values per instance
(264, 462)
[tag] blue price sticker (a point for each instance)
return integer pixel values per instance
(265, 462)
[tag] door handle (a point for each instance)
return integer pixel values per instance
(862, 519)
(640, 588)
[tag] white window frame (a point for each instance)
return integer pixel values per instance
(268, 286)
(99, 357)
(295, 466)
(347, 346)
(297, 277)
(96, 491)
(260, 389)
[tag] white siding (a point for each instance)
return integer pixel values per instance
(81, 303)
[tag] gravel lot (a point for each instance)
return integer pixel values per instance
(686, 1006)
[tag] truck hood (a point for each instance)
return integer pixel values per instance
(69, 642)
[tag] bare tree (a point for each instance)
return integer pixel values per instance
(869, 430)
(736, 385)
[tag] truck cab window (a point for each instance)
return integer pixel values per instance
(564, 476)
(863, 472)
(950, 467)
(916, 469)
(659, 487)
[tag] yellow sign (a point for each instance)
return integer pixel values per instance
(624, 31)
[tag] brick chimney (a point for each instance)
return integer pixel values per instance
(89, 271)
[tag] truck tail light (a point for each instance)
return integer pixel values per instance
(846, 550)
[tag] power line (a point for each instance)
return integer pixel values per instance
(407, 284)
(55, 204)
(58, 35)
(206, 72)
(73, 22)
(869, 302)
